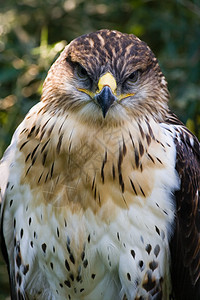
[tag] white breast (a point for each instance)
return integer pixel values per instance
(83, 253)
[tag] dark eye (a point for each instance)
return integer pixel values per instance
(81, 72)
(134, 76)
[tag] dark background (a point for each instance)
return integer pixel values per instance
(33, 32)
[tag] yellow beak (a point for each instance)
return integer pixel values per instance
(109, 80)
(106, 93)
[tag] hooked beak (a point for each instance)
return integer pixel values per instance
(106, 92)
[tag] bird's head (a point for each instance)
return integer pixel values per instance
(106, 76)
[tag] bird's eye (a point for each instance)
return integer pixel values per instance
(133, 77)
(131, 80)
(81, 72)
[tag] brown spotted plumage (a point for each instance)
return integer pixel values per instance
(100, 185)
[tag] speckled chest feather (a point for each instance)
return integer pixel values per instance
(109, 199)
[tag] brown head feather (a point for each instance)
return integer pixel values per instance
(100, 52)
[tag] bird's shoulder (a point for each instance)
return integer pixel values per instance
(185, 242)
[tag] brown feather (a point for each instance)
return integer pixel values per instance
(185, 244)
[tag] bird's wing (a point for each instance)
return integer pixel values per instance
(185, 243)
(5, 163)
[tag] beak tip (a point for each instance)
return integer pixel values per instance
(104, 113)
(105, 99)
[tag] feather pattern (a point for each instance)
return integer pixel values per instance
(102, 206)
(185, 244)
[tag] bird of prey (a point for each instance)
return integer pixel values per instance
(100, 185)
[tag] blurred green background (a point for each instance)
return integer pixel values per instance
(33, 32)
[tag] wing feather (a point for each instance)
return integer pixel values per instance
(4, 179)
(185, 243)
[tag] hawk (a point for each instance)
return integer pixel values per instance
(100, 185)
